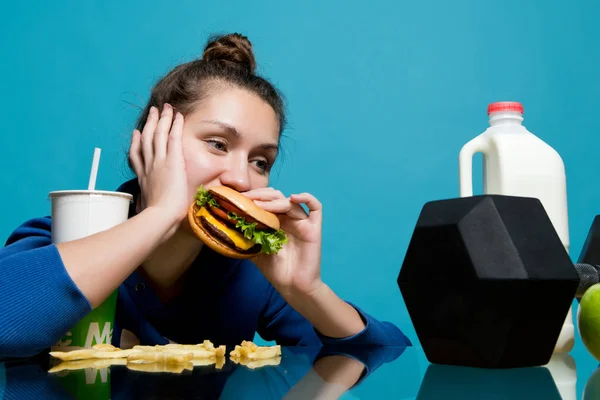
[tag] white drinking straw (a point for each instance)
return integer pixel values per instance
(94, 172)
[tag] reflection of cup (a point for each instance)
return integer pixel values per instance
(86, 383)
(77, 214)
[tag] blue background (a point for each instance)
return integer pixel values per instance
(380, 96)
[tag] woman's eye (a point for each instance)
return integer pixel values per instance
(262, 165)
(217, 145)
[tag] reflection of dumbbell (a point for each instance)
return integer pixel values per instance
(458, 383)
(487, 282)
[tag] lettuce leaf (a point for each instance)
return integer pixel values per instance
(203, 196)
(270, 240)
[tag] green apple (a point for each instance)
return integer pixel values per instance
(588, 320)
(591, 390)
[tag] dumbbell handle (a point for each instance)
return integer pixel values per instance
(588, 275)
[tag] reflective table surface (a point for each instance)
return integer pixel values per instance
(304, 373)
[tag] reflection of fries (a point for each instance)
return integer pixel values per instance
(252, 364)
(160, 367)
(159, 357)
(217, 361)
(96, 363)
(253, 352)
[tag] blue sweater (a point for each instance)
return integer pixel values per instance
(223, 300)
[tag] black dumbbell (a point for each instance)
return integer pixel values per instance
(588, 263)
(487, 282)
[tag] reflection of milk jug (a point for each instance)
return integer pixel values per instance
(518, 163)
(563, 369)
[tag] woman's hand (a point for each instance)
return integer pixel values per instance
(99, 263)
(296, 268)
(156, 155)
(295, 271)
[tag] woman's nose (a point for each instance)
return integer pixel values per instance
(237, 177)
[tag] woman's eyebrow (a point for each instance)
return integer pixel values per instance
(228, 128)
(234, 132)
(269, 146)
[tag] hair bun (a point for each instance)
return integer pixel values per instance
(233, 50)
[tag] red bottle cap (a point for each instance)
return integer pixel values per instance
(505, 106)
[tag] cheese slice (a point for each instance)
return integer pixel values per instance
(237, 237)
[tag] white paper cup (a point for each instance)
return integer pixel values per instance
(77, 214)
(80, 213)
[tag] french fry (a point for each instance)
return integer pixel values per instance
(159, 357)
(74, 354)
(171, 357)
(115, 353)
(96, 363)
(253, 352)
(263, 353)
(249, 345)
(203, 350)
(105, 347)
(177, 346)
(220, 351)
(86, 354)
(207, 345)
(196, 353)
(145, 348)
(161, 367)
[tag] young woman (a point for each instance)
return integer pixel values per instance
(211, 121)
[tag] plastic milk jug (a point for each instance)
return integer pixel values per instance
(518, 163)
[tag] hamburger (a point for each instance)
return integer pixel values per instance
(233, 225)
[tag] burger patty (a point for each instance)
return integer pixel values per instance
(223, 238)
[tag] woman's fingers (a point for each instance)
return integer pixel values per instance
(161, 134)
(283, 206)
(315, 208)
(264, 194)
(147, 137)
(174, 147)
(273, 201)
(135, 153)
(306, 198)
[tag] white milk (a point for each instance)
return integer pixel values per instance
(518, 163)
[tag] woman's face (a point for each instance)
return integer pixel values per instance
(230, 139)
